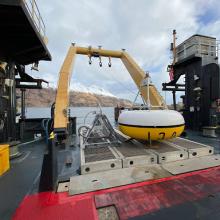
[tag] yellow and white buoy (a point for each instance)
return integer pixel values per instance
(151, 124)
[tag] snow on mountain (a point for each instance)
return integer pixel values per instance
(93, 89)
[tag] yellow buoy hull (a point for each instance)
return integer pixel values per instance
(151, 133)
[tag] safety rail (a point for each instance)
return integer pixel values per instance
(35, 14)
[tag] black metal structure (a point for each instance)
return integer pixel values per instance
(49, 171)
(7, 103)
(197, 60)
(22, 36)
(22, 42)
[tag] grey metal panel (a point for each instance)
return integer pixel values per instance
(97, 159)
(193, 164)
(194, 149)
(167, 152)
(142, 160)
(97, 154)
(113, 178)
(99, 166)
(133, 154)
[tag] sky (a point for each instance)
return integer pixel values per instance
(142, 27)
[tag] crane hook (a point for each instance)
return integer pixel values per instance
(109, 62)
(100, 61)
(89, 55)
(90, 59)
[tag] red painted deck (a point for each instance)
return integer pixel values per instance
(130, 201)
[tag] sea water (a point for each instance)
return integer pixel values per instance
(85, 115)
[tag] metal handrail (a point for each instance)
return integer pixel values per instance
(35, 14)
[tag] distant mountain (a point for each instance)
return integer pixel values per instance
(45, 97)
(93, 89)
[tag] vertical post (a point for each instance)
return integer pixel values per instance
(49, 171)
(22, 114)
(32, 6)
(199, 47)
(174, 47)
(148, 92)
(39, 27)
(116, 113)
(11, 114)
(23, 103)
(4, 105)
(174, 99)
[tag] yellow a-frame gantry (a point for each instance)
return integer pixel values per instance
(138, 75)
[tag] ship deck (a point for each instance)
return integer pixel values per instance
(194, 194)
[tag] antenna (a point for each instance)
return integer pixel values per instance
(173, 47)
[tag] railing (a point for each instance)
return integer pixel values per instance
(34, 12)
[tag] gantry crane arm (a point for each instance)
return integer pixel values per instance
(137, 74)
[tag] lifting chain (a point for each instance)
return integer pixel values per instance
(90, 56)
(109, 62)
(90, 59)
(100, 59)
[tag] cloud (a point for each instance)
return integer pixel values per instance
(143, 27)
